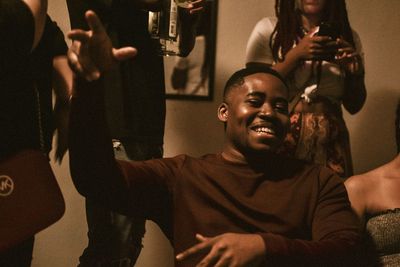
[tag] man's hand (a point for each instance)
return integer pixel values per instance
(91, 52)
(228, 250)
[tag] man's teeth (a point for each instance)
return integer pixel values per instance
(264, 130)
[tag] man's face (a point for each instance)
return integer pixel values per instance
(256, 114)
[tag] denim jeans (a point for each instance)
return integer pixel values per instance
(115, 240)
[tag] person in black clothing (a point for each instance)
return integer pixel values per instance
(32, 62)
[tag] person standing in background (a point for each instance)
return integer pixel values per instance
(325, 70)
(135, 103)
(32, 63)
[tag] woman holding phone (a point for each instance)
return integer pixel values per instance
(311, 43)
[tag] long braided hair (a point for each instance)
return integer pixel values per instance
(288, 29)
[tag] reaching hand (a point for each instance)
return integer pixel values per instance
(228, 250)
(91, 52)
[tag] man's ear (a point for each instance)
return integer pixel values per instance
(223, 112)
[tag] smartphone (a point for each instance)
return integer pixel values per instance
(331, 30)
(328, 29)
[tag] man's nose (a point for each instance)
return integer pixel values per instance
(266, 110)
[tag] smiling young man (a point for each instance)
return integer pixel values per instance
(245, 206)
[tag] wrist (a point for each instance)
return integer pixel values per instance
(355, 75)
(294, 56)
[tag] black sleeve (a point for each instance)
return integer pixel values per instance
(17, 29)
(58, 41)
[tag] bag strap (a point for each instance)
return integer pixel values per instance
(40, 122)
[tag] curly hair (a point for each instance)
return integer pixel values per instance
(288, 29)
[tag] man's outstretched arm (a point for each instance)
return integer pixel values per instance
(91, 153)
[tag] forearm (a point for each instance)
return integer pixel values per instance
(341, 250)
(39, 11)
(355, 93)
(93, 167)
(289, 64)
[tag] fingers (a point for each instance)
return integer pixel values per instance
(201, 247)
(73, 61)
(94, 22)
(322, 39)
(213, 257)
(81, 67)
(201, 238)
(196, 6)
(343, 43)
(124, 53)
(80, 35)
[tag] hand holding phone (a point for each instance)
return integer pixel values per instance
(331, 30)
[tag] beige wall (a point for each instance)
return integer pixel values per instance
(371, 130)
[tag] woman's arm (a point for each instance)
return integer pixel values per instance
(352, 61)
(39, 11)
(62, 86)
(258, 50)
(355, 188)
(310, 47)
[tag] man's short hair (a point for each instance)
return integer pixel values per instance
(237, 79)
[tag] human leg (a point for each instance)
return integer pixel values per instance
(116, 239)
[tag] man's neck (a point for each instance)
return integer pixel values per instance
(248, 157)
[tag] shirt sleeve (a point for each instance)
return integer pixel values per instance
(16, 27)
(59, 45)
(139, 188)
(335, 232)
(258, 49)
(150, 185)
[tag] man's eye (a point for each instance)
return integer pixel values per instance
(254, 102)
(282, 108)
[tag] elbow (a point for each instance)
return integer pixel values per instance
(354, 106)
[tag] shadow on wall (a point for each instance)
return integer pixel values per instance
(372, 130)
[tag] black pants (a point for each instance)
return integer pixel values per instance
(115, 240)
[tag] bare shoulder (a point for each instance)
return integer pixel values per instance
(360, 189)
(361, 182)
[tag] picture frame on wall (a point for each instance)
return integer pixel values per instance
(192, 77)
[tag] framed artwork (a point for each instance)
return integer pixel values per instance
(192, 77)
